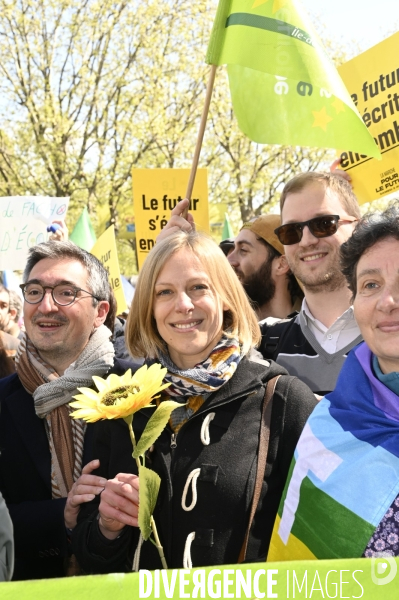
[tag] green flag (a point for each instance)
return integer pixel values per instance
(227, 230)
(83, 234)
(284, 88)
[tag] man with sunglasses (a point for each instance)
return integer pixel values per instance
(318, 213)
(45, 462)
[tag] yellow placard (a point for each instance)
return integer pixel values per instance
(155, 193)
(126, 224)
(372, 79)
(105, 250)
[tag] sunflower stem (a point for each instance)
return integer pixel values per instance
(138, 463)
(152, 520)
(158, 543)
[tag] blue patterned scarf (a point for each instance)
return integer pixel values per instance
(193, 386)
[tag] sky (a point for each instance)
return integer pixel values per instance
(364, 21)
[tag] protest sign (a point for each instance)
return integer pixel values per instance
(105, 250)
(372, 79)
(365, 578)
(23, 224)
(155, 193)
(126, 221)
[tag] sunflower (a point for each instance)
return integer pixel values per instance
(119, 396)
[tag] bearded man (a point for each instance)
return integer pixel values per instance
(259, 263)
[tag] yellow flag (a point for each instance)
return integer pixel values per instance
(105, 250)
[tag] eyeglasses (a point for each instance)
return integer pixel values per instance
(320, 227)
(62, 294)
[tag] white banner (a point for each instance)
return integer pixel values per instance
(23, 224)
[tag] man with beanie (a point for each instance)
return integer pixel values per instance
(260, 265)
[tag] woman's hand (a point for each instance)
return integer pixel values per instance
(119, 505)
(177, 222)
(85, 489)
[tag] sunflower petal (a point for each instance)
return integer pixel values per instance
(86, 390)
(90, 403)
(101, 384)
(127, 377)
(83, 403)
(90, 416)
(113, 381)
(89, 393)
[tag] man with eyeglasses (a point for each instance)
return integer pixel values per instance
(318, 214)
(45, 462)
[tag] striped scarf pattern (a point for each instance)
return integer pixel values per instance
(193, 386)
(345, 471)
(52, 393)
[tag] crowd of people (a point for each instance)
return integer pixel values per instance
(262, 343)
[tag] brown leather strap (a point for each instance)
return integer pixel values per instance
(264, 436)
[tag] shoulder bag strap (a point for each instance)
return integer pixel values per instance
(264, 437)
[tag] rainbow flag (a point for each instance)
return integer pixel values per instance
(284, 87)
(345, 471)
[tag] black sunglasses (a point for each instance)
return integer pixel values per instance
(320, 227)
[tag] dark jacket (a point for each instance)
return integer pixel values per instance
(118, 341)
(25, 482)
(225, 483)
(293, 345)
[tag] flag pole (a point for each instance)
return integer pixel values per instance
(197, 151)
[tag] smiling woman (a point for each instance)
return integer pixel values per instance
(190, 313)
(348, 505)
(187, 312)
(371, 265)
(376, 303)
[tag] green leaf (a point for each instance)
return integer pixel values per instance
(148, 494)
(155, 426)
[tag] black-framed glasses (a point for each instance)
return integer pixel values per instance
(63, 294)
(320, 227)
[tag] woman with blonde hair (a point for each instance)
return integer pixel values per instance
(219, 493)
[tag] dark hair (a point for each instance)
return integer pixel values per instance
(294, 288)
(97, 279)
(111, 315)
(227, 245)
(371, 228)
(336, 183)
